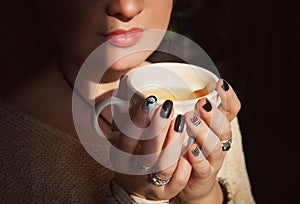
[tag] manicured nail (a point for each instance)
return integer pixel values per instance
(196, 152)
(124, 75)
(166, 109)
(225, 86)
(191, 140)
(149, 103)
(179, 123)
(195, 119)
(207, 106)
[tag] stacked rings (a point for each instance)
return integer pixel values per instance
(159, 181)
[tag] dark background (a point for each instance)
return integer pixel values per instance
(255, 47)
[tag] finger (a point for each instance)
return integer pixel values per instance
(178, 181)
(155, 134)
(230, 103)
(130, 144)
(201, 166)
(205, 138)
(171, 152)
(214, 118)
(180, 177)
(142, 120)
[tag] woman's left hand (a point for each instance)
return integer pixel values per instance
(206, 161)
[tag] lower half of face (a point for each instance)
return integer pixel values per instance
(121, 23)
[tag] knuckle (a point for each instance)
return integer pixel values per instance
(126, 145)
(180, 180)
(217, 150)
(204, 170)
(225, 134)
(141, 121)
(161, 196)
(153, 194)
(218, 165)
(239, 105)
(165, 173)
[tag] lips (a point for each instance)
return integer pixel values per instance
(124, 38)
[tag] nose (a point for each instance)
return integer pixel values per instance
(124, 9)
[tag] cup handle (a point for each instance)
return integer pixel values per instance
(99, 107)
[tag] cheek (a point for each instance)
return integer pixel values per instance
(80, 40)
(158, 13)
(76, 27)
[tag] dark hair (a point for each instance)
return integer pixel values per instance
(183, 10)
(26, 43)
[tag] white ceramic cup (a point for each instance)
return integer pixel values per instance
(166, 76)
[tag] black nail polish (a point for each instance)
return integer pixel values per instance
(124, 75)
(207, 106)
(196, 152)
(225, 86)
(179, 123)
(166, 109)
(149, 103)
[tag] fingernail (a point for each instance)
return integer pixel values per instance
(179, 123)
(191, 140)
(196, 152)
(225, 86)
(124, 75)
(166, 109)
(149, 103)
(195, 119)
(207, 106)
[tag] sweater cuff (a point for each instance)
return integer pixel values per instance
(140, 200)
(226, 190)
(118, 195)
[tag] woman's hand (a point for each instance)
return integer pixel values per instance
(160, 130)
(206, 155)
(162, 133)
(193, 176)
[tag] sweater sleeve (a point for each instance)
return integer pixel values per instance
(234, 169)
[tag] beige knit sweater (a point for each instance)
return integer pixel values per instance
(40, 164)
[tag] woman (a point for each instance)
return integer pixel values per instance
(41, 150)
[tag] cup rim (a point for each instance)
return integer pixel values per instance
(211, 94)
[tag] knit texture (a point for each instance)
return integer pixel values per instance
(40, 164)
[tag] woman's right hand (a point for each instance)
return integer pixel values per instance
(158, 124)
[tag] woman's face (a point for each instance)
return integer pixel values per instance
(82, 25)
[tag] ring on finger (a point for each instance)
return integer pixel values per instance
(226, 144)
(159, 181)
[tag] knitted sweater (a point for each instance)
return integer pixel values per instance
(40, 164)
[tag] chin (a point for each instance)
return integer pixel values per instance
(131, 61)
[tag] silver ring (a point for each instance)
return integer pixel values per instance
(226, 144)
(159, 181)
